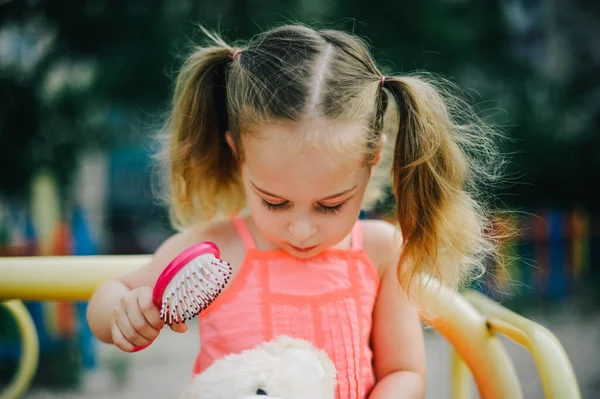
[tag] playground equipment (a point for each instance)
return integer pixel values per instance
(470, 322)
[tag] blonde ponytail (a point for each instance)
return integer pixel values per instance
(204, 175)
(435, 171)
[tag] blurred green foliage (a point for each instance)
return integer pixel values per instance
(90, 74)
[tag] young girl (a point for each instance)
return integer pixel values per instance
(291, 127)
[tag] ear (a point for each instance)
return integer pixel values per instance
(230, 142)
(304, 352)
(310, 360)
(377, 158)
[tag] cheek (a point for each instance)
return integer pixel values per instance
(267, 222)
(334, 228)
(342, 223)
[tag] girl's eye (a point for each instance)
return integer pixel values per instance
(284, 205)
(330, 209)
(275, 207)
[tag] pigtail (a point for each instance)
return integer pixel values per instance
(204, 177)
(444, 228)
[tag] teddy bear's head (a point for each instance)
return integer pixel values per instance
(285, 368)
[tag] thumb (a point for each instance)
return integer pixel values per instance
(179, 327)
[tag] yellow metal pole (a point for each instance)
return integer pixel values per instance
(29, 351)
(553, 364)
(458, 320)
(460, 381)
(61, 278)
(483, 353)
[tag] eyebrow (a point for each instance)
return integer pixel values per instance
(322, 199)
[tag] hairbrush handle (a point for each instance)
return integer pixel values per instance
(189, 284)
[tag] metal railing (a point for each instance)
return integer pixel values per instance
(469, 322)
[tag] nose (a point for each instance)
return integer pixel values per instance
(302, 229)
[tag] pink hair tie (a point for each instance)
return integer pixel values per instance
(382, 80)
(235, 54)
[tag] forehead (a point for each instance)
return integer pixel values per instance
(316, 138)
(313, 158)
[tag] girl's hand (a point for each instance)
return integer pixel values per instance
(136, 320)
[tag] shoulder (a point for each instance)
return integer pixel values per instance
(222, 233)
(382, 241)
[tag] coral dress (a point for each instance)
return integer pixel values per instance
(327, 299)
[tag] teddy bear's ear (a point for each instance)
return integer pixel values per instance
(305, 352)
(285, 341)
(308, 359)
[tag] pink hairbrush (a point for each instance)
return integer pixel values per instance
(190, 283)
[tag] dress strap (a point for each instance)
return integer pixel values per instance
(357, 235)
(244, 232)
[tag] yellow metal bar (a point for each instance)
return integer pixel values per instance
(465, 329)
(61, 278)
(455, 318)
(554, 367)
(460, 382)
(508, 330)
(29, 351)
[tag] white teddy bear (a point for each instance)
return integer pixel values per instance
(284, 368)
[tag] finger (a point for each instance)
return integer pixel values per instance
(179, 327)
(150, 311)
(128, 331)
(119, 339)
(140, 324)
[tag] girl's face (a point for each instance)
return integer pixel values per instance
(302, 201)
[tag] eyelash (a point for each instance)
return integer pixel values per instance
(322, 208)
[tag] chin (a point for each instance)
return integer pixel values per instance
(303, 254)
(307, 255)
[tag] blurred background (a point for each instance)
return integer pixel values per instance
(83, 88)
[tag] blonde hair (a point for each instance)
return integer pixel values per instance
(293, 73)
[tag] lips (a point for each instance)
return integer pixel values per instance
(304, 249)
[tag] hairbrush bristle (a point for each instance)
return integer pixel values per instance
(194, 288)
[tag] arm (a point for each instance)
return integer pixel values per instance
(114, 296)
(398, 343)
